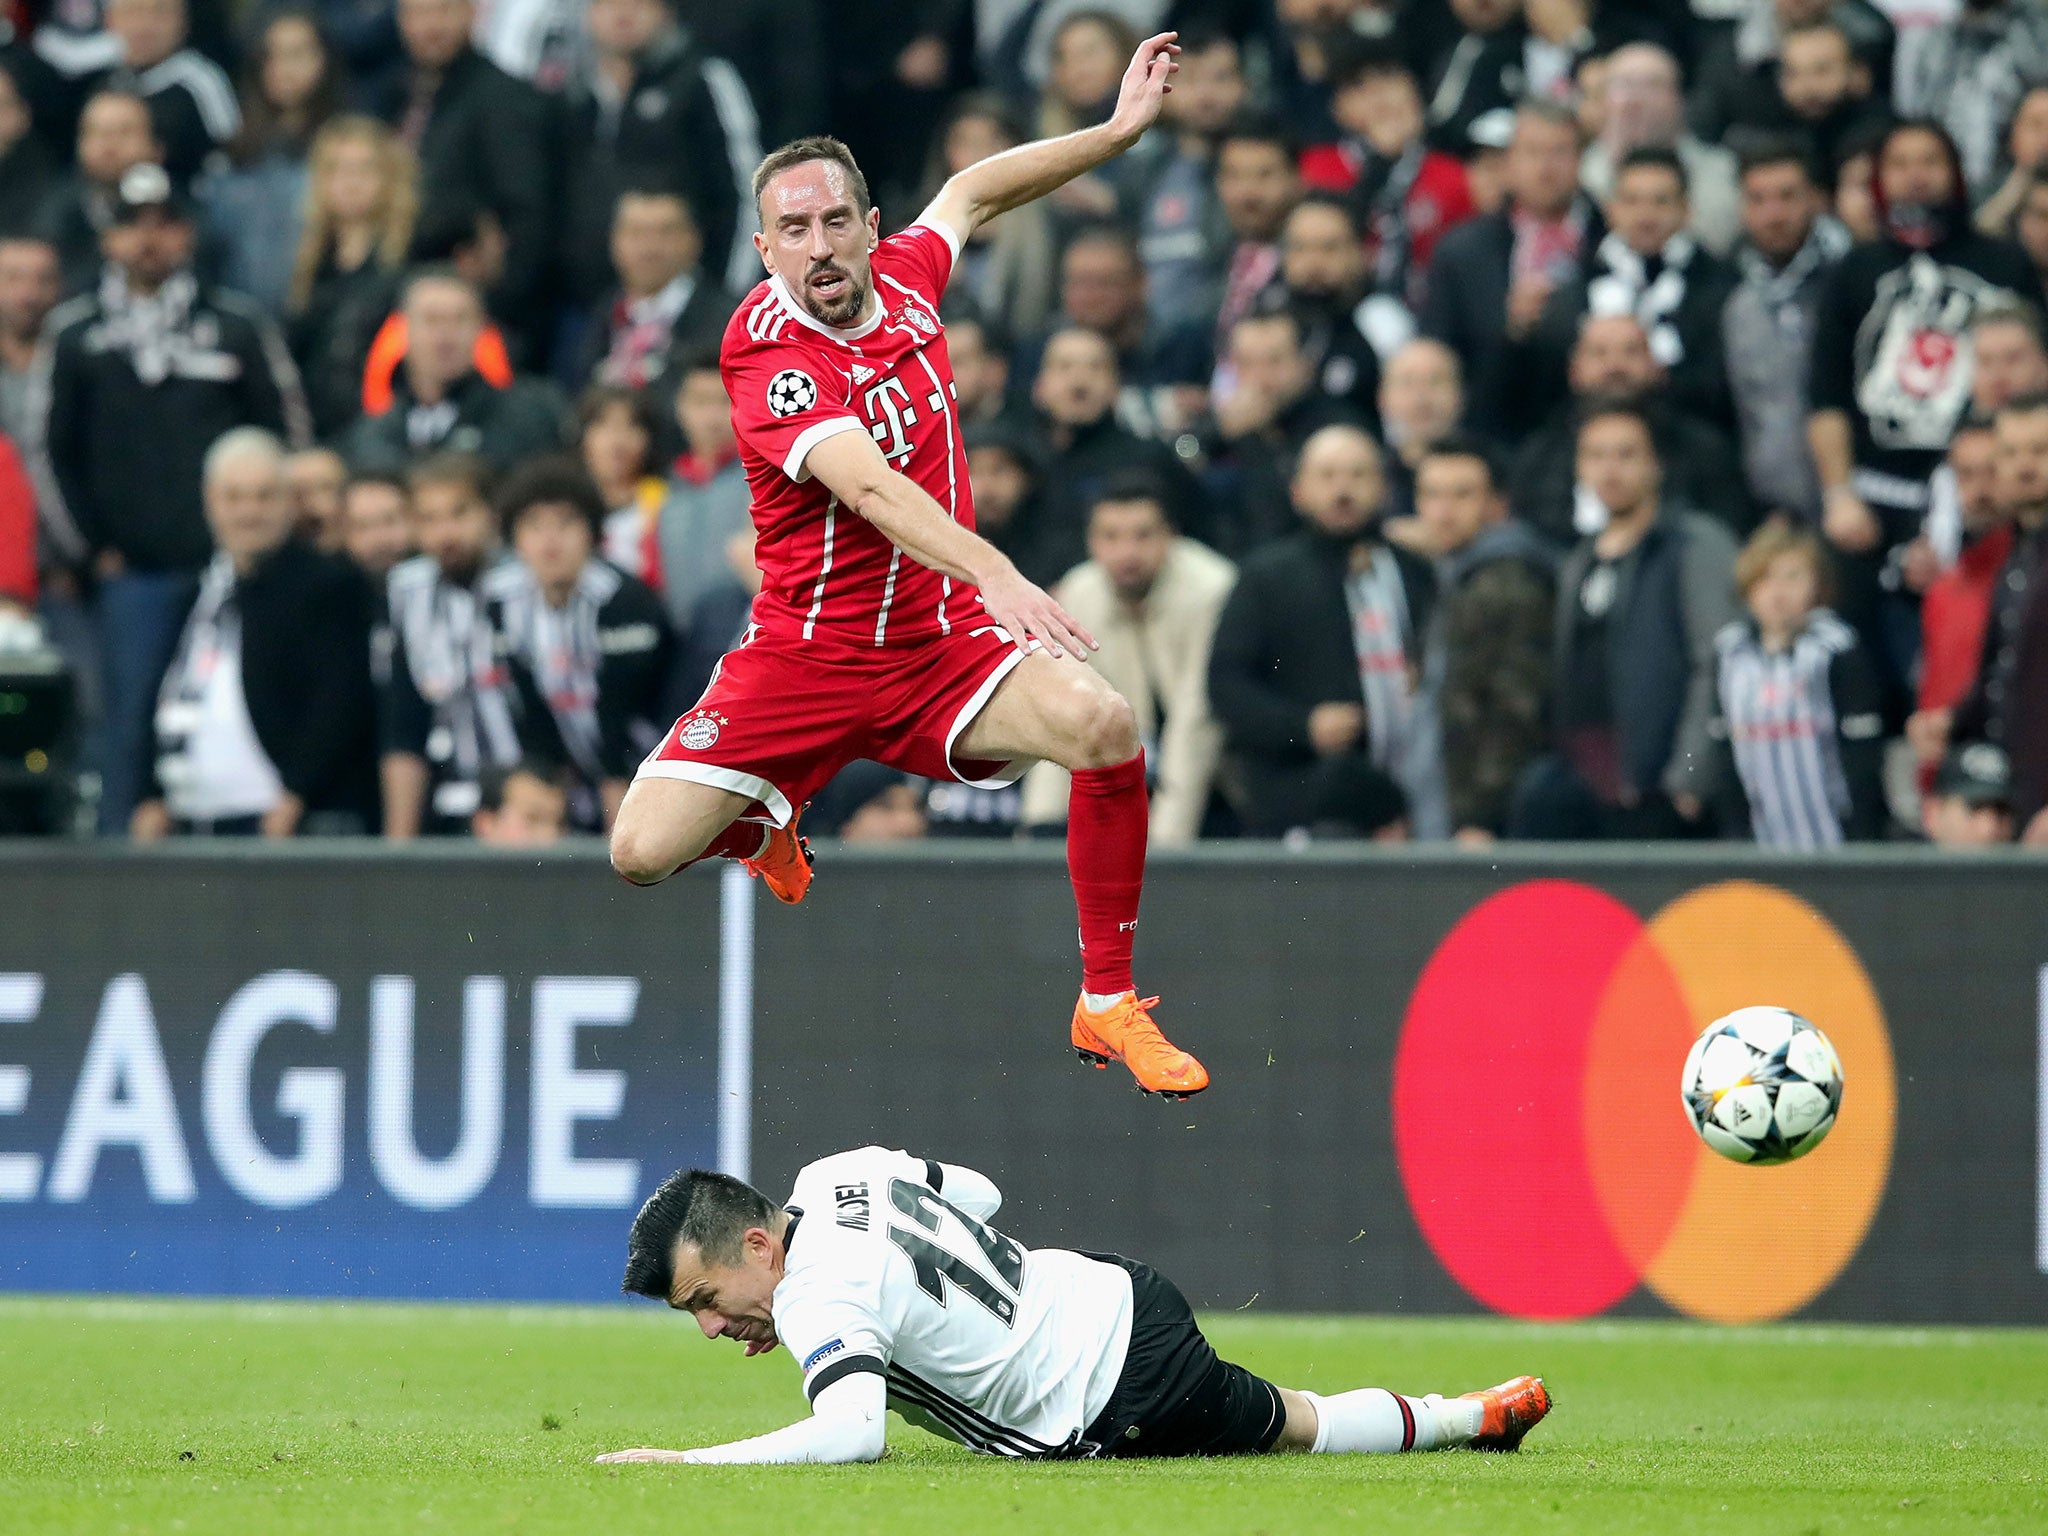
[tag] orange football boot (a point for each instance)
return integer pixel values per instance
(1512, 1409)
(784, 862)
(1125, 1032)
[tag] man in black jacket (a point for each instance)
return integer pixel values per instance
(482, 134)
(439, 402)
(1316, 664)
(136, 379)
(114, 136)
(652, 108)
(1492, 275)
(263, 722)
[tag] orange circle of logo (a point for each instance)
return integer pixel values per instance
(1536, 1110)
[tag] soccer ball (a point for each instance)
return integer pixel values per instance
(1762, 1086)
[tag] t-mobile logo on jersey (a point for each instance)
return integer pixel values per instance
(888, 410)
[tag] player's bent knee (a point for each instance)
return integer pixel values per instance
(639, 854)
(1107, 730)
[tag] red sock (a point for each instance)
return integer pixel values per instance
(740, 840)
(1107, 816)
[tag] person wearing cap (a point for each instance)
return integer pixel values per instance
(135, 380)
(114, 135)
(1970, 805)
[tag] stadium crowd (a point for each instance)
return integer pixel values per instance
(1458, 418)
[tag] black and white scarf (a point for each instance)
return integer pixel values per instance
(212, 637)
(452, 655)
(1780, 287)
(561, 649)
(156, 330)
(1380, 621)
(1630, 286)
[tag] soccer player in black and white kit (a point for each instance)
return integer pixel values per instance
(882, 1277)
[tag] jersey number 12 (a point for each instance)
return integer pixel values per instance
(935, 1265)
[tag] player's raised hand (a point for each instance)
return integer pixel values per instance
(645, 1453)
(1146, 84)
(1030, 613)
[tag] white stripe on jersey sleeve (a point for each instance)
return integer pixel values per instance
(939, 227)
(810, 437)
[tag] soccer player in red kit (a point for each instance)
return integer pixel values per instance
(886, 628)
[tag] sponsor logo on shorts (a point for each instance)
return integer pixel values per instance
(699, 732)
(823, 1352)
(790, 391)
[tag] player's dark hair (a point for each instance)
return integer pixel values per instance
(1128, 485)
(711, 1211)
(1657, 157)
(451, 467)
(1466, 445)
(553, 481)
(816, 146)
(1254, 127)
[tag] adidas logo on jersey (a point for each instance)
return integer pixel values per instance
(862, 373)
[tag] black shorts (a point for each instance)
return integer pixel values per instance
(1175, 1397)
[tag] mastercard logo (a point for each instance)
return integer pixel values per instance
(1536, 1109)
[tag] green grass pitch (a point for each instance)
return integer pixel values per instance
(216, 1419)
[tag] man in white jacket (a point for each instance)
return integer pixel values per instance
(881, 1275)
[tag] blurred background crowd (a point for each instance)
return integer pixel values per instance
(1457, 419)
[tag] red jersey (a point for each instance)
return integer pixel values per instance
(795, 381)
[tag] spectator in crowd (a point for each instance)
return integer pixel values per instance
(114, 136)
(1956, 607)
(868, 803)
(1648, 266)
(1799, 713)
(1789, 250)
(1152, 599)
(263, 723)
(1638, 606)
(1645, 111)
(313, 481)
(192, 105)
(441, 401)
(2003, 706)
(1090, 50)
(1083, 444)
(616, 433)
(1486, 663)
(445, 710)
(1972, 74)
(1421, 400)
(1970, 805)
(362, 200)
(1164, 372)
(1266, 408)
(1482, 70)
(2030, 227)
(779, 52)
(28, 170)
(1256, 186)
(479, 134)
(1008, 266)
(142, 376)
(1822, 101)
(2008, 355)
(1494, 275)
(651, 109)
(665, 306)
(1315, 661)
(29, 287)
(1409, 194)
(256, 204)
(376, 528)
(979, 351)
(1006, 466)
(587, 645)
(704, 507)
(1739, 66)
(2024, 161)
(1171, 194)
(523, 806)
(1612, 357)
(1485, 158)
(1856, 194)
(1323, 271)
(1892, 369)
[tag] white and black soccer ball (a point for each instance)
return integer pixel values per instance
(790, 391)
(1762, 1086)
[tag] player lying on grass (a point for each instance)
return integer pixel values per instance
(886, 627)
(883, 1279)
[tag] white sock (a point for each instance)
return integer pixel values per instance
(1373, 1420)
(1095, 1002)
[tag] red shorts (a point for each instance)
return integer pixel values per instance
(783, 715)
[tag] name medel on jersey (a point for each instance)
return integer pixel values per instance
(1008, 1350)
(795, 382)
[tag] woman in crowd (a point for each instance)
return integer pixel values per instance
(361, 200)
(254, 204)
(615, 436)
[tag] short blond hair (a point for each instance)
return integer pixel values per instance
(1780, 536)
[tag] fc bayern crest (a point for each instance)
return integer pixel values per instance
(790, 391)
(698, 733)
(919, 321)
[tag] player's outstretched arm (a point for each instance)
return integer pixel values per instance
(853, 469)
(1018, 176)
(847, 1423)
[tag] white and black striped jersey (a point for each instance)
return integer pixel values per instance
(1010, 1351)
